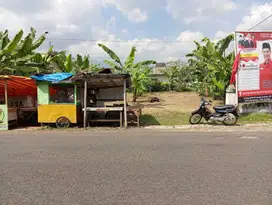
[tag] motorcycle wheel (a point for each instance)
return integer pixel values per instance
(195, 119)
(231, 119)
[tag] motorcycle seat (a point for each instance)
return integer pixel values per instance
(225, 107)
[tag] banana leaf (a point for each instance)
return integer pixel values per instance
(144, 63)
(130, 60)
(111, 54)
(39, 42)
(113, 65)
(69, 63)
(12, 44)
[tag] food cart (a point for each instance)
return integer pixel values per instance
(57, 100)
(17, 94)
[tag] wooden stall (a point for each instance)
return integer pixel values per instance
(97, 90)
(17, 98)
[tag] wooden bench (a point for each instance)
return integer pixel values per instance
(106, 109)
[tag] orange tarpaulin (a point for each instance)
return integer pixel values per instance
(18, 85)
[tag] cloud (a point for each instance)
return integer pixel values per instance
(257, 14)
(57, 16)
(198, 10)
(84, 19)
(221, 34)
(124, 30)
(11, 21)
(147, 48)
(137, 15)
(134, 10)
(189, 36)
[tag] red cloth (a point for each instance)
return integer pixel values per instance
(235, 68)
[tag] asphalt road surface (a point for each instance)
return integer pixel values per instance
(135, 167)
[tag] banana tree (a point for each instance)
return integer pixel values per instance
(66, 63)
(17, 54)
(140, 80)
(139, 71)
(127, 66)
(212, 68)
(83, 64)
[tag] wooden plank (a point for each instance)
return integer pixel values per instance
(6, 92)
(85, 104)
(121, 119)
(105, 120)
(109, 100)
(125, 102)
(102, 109)
(28, 109)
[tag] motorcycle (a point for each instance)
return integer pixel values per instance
(228, 114)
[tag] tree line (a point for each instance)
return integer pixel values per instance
(207, 71)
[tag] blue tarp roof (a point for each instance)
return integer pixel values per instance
(56, 77)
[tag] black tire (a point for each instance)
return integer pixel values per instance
(63, 122)
(195, 121)
(233, 122)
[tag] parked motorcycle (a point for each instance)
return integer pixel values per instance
(228, 114)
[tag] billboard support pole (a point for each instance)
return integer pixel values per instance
(236, 76)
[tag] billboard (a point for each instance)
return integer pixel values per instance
(3, 117)
(255, 67)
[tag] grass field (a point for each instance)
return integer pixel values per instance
(175, 108)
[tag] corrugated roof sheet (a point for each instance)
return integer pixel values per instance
(103, 80)
(16, 83)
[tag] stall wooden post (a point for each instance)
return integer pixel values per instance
(125, 102)
(85, 104)
(6, 92)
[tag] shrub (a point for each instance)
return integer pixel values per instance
(157, 86)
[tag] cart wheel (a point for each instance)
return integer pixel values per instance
(63, 122)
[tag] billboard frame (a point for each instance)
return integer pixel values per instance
(236, 52)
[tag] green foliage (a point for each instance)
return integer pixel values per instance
(18, 55)
(211, 69)
(156, 86)
(179, 76)
(66, 63)
(140, 72)
(116, 63)
(140, 80)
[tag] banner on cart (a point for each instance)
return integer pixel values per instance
(3, 117)
(255, 67)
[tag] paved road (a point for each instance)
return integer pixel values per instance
(135, 167)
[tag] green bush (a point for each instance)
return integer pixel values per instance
(157, 86)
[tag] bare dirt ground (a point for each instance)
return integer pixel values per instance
(171, 101)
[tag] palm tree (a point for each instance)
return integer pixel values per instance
(139, 71)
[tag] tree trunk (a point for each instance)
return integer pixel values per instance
(206, 92)
(134, 96)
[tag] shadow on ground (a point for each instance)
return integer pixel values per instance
(149, 120)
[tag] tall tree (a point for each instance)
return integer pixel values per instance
(139, 71)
